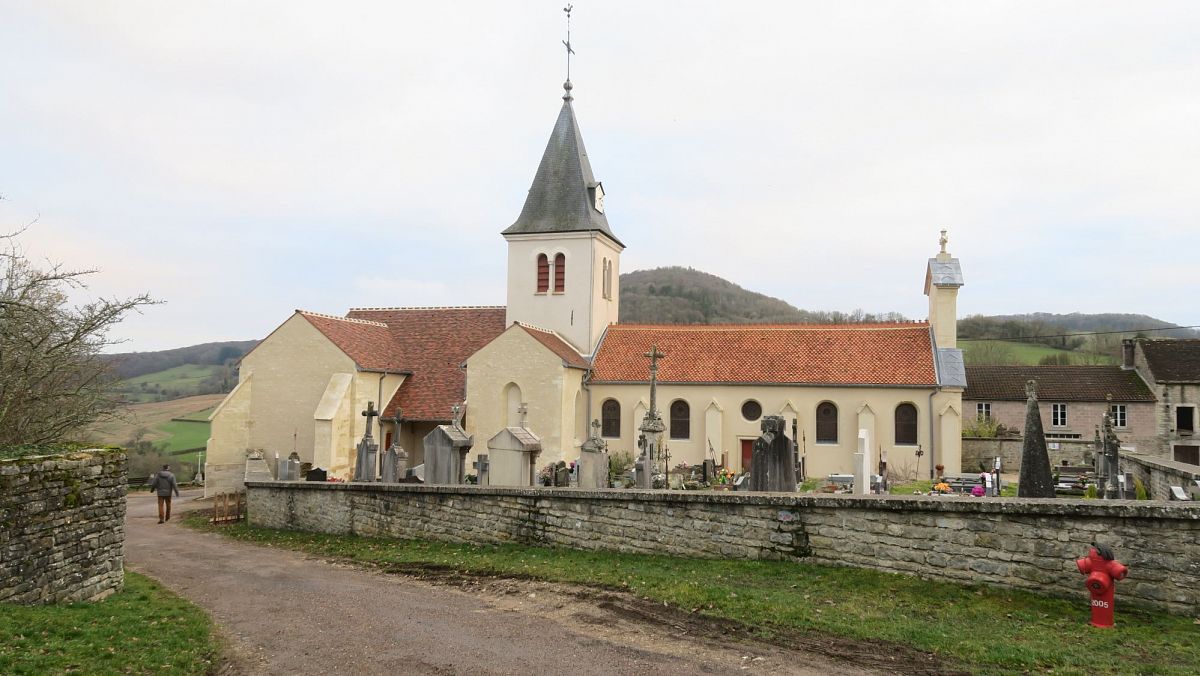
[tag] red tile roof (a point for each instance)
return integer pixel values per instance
(432, 343)
(368, 343)
(1055, 383)
(1172, 361)
(557, 345)
(841, 354)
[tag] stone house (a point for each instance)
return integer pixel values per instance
(1072, 401)
(1171, 368)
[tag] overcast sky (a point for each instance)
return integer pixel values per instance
(239, 160)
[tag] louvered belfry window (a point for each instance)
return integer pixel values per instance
(560, 273)
(543, 274)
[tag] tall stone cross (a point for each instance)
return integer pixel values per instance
(654, 355)
(595, 429)
(943, 241)
(523, 410)
(370, 414)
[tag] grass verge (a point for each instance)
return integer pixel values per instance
(969, 627)
(142, 629)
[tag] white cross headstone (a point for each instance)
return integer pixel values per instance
(862, 462)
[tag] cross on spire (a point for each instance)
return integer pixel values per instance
(567, 42)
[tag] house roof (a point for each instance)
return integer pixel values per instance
(1175, 361)
(560, 198)
(1056, 383)
(899, 353)
(557, 345)
(368, 343)
(431, 343)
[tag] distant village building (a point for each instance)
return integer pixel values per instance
(1072, 399)
(1172, 370)
(555, 359)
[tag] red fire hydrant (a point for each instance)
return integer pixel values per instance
(1102, 572)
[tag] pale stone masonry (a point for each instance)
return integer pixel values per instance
(1023, 544)
(62, 527)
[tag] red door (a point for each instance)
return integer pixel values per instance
(747, 453)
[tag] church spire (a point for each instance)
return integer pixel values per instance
(565, 195)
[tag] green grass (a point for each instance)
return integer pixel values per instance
(1023, 353)
(184, 379)
(977, 628)
(143, 629)
(199, 416)
(183, 435)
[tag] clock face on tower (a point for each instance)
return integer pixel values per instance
(598, 196)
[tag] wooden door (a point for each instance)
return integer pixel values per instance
(747, 453)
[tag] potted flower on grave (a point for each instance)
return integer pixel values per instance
(942, 487)
(940, 469)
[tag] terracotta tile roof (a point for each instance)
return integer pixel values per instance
(839, 354)
(1175, 361)
(557, 345)
(368, 343)
(432, 343)
(1055, 383)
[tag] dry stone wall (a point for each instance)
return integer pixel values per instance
(1159, 474)
(1025, 544)
(62, 527)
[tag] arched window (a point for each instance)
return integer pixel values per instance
(610, 419)
(681, 420)
(543, 274)
(827, 423)
(906, 424)
(560, 273)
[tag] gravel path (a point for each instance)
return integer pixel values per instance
(284, 613)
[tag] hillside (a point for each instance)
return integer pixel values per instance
(132, 364)
(209, 368)
(677, 295)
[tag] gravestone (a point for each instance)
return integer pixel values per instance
(562, 475)
(773, 458)
(593, 460)
(709, 471)
(367, 458)
(395, 458)
(481, 470)
(257, 468)
(512, 455)
(316, 474)
(446, 450)
(862, 461)
(1036, 480)
(1112, 460)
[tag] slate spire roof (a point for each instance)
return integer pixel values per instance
(561, 198)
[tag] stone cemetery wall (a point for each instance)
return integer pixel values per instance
(976, 451)
(1025, 544)
(1159, 474)
(62, 527)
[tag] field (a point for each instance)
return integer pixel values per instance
(154, 421)
(1013, 352)
(184, 380)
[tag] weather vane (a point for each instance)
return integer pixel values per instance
(567, 42)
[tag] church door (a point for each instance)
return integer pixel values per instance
(747, 453)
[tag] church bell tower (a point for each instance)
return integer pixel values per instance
(563, 260)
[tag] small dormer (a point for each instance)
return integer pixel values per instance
(596, 195)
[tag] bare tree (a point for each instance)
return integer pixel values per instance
(52, 382)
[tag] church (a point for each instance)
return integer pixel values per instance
(555, 358)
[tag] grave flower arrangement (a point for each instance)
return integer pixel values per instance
(942, 487)
(546, 474)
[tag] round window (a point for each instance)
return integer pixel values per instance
(751, 410)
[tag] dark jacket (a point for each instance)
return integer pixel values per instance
(164, 483)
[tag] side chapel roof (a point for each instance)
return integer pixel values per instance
(899, 353)
(560, 199)
(428, 344)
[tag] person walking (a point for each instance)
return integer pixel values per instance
(164, 483)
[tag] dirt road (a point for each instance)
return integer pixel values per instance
(286, 613)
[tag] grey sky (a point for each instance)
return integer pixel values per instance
(240, 160)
